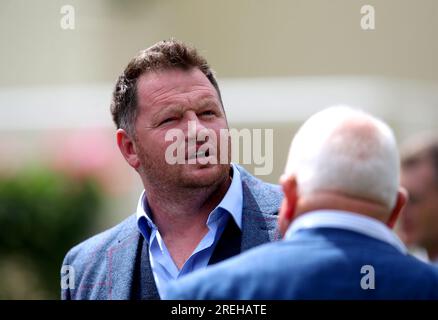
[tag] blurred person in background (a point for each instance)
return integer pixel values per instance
(342, 197)
(189, 215)
(418, 226)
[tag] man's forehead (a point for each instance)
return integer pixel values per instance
(156, 86)
(154, 80)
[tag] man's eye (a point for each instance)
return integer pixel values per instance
(167, 120)
(208, 113)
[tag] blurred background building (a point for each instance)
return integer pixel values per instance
(277, 63)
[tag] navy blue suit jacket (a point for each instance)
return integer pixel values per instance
(320, 263)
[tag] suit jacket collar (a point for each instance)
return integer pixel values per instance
(260, 207)
(259, 225)
(122, 257)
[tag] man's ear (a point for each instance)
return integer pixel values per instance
(288, 206)
(127, 148)
(402, 198)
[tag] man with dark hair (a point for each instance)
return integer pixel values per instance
(419, 220)
(191, 214)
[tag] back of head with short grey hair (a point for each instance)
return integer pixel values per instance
(348, 151)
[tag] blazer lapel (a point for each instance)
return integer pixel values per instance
(261, 202)
(121, 259)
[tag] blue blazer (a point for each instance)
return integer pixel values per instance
(320, 263)
(104, 265)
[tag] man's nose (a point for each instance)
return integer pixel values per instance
(193, 124)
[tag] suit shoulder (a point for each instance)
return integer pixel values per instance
(265, 196)
(101, 242)
(427, 271)
(256, 183)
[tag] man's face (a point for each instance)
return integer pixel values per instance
(169, 100)
(419, 219)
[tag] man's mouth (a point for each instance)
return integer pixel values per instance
(199, 154)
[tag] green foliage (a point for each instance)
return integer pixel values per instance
(42, 215)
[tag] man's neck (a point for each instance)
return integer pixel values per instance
(181, 216)
(335, 201)
(179, 208)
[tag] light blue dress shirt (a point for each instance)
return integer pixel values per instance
(348, 221)
(163, 267)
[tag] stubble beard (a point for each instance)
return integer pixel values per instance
(173, 177)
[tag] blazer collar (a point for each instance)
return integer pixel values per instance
(259, 225)
(261, 202)
(121, 259)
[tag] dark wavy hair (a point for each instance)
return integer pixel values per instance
(168, 54)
